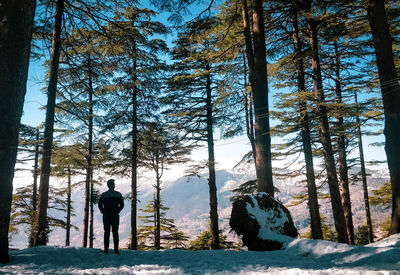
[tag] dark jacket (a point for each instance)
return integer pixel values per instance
(111, 203)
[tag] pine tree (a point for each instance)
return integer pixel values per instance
(15, 41)
(390, 88)
(257, 67)
(132, 95)
(67, 164)
(204, 242)
(324, 131)
(194, 96)
(40, 237)
(28, 150)
(160, 147)
(147, 233)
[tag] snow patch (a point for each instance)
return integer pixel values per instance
(271, 221)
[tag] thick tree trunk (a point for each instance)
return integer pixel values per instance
(261, 111)
(69, 191)
(41, 220)
(211, 168)
(391, 100)
(15, 37)
(133, 233)
(342, 156)
(34, 187)
(325, 137)
(315, 218)
(363, 174)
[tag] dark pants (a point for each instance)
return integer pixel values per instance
(113, 222)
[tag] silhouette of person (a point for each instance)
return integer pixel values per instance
(110, 204)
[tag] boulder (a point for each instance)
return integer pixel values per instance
(263, 222)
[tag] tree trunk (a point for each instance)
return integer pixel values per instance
(315, 218)
(342, 158)
(261, 111)
(86, 208)
(68, 228)
(90, 152)
(41, 220)
(15, 37)
(391, 100)
(247, 96)
(34, 187)
(157, 210)
(325, 137)
(91, 232)
(363, 174)
(133, 233)
(211, 167)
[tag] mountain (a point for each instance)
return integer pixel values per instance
(188, 200)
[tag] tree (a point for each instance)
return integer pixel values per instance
(28, 150)
(40, 231)
(204, 242)
(316, 229)
(160, 147)
(257, 66)
(195, 97)
(15, 41)
(147, 233)
(67, 163)
(322, 115)
(177, 240)
(23, 214)
(390, 88)
(133, 92)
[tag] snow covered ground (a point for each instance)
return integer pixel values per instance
(302, 256)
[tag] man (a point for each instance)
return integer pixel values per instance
(110, 204)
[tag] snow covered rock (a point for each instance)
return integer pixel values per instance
(263, 223)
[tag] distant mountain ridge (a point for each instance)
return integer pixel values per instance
(188, 200)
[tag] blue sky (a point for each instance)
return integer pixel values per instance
(228, 152)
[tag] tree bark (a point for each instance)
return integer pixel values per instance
(68, 228)
(41, 220)
(211, 167)
(363, 174)
(248, 109)
(342, 158)
(133, 233)
(256, 57)
(90, 152)
(16, 23)
(390, 88)
(261, 111)
(157, 241)
(325, 137)
(315, 218)
(34, 187)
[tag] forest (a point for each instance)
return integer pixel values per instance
(304, 81)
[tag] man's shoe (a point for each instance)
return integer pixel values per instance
(105, 251)
(116, 252)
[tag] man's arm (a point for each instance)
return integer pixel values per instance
(120, 203)
(101, 204)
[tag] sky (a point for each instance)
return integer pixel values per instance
(301, 256)
(227, 152)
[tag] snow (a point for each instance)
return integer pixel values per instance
(271, 221)
(302, 256)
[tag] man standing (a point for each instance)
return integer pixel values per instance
(110, 204)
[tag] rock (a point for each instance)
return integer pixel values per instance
(263, 223)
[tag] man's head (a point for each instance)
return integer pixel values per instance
(111, 183)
